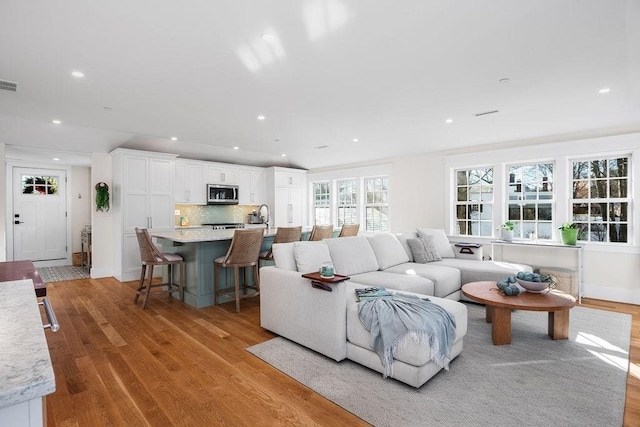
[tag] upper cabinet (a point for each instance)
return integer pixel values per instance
(286, 189)
(220, 173)
(251, 185)
(189, 184)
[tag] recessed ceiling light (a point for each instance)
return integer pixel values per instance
(261, 117)
(236, 148)
(106, 107)
(504, 80)
(283, 155)
(355, 140)
(77, 74)
(604, 90)
(56, 159)
(449, 121)
(268, 37)
(173, 138)
(56, 122)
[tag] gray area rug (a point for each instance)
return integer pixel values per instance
(60, 273)
(535, 381)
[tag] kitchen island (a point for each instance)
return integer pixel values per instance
(199, 248)
(26, 373)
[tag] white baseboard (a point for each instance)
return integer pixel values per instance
(98, 273)
(607, 293)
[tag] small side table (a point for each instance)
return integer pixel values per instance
(319, 282)
(85, 248)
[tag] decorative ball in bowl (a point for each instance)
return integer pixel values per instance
(535, 287)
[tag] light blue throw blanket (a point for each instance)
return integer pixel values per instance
(396, 320)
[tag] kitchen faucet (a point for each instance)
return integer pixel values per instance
(268, 214)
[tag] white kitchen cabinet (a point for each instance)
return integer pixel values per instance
(189, 183)
(251, 186)
(143, 193)
(286, 195)
(220, 173)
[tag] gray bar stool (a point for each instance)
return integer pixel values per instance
(349, 230)
(319, 232)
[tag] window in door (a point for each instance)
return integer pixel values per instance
(39, 185)
(601, 199)
(376, 203)
(474, 202)
(321, 203)
(530, 203)
(347, 205)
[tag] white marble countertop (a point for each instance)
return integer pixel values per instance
(25, 364)
(206, 235)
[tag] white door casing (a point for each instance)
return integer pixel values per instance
(39, 217)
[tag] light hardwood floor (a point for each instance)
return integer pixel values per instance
(117, 364)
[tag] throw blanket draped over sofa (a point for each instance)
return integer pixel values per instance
(396, 320)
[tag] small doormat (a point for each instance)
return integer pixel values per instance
(63, 272)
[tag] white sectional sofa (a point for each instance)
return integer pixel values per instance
(328, 322)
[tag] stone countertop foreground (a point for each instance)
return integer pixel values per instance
(25, 364)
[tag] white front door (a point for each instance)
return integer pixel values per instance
(39, 214)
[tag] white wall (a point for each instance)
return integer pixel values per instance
(101, 222)
(420, 193)
(3, 204)
(80, 194)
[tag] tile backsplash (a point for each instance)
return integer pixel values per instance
(198, 214)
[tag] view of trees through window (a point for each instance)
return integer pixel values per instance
(43, 185)
(530, 205)
(474, 204)
(600, 201)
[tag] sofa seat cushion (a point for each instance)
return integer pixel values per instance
(475, 271)
(446, 279)
(413, 354)
(352, 255)
(400, 282)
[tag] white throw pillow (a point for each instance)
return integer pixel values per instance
(440, 241)
(352, 255)
(283, 256)
(388, 250)
(310, 256)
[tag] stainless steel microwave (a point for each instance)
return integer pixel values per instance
(222, 194)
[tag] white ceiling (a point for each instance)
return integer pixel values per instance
(387, 73)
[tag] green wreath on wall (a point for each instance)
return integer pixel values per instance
(102, 197)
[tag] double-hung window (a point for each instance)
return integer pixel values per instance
(601, 196)
(474, 202)
(321, 203)
(347, 204)
(376, 203)
(530, 203)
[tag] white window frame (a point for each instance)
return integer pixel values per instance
(584, 224)
(484, 225)
(516, 186)
(321, 204)
(373, 224)
(352, 202)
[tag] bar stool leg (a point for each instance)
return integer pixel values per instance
(181, 284)
(140, 283)
(216, 282)
(236, 277)
(147, 291)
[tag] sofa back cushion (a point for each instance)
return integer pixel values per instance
(440, 241)
(283, 256)
(402, 238)
(388, 250)
(352, 255)
(310, 256)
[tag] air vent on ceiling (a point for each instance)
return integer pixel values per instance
(486, 112)
(7, 85)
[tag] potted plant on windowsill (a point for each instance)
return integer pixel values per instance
(506, 231)
(569, 233)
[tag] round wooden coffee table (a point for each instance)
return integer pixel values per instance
(499, 307)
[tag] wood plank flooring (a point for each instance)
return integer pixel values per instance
(170, 364)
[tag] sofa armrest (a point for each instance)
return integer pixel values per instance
(292, 308)
(467, 253)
